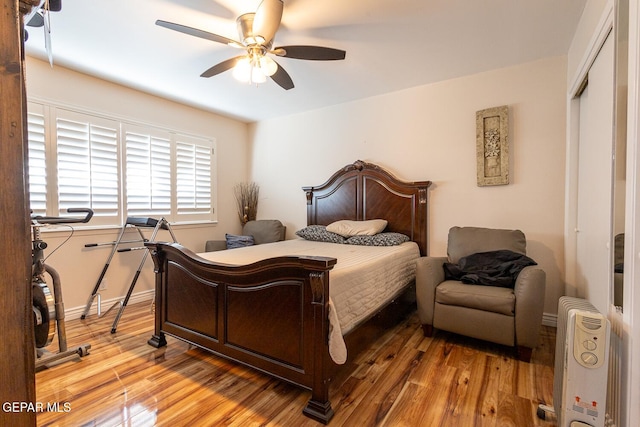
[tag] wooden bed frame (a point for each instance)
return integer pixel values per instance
(272, 315)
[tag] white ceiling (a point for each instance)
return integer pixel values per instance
(390, 44)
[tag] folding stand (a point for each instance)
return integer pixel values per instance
(138, 223)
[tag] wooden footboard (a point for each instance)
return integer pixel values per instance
(270, 315)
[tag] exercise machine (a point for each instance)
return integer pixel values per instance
(137, 223)
(48, 308)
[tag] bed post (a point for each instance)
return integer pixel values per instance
(158, 339)
(319, 407)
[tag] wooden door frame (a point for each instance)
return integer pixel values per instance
(17, 356)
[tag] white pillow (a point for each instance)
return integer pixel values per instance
(349, 228)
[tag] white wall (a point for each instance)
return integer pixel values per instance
(428, 133)
(80, 267)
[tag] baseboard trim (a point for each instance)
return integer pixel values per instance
(76, 312)
(549, 319)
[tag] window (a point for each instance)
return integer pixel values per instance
(148, 173)
(193, 173)
(37, 163)
(87, 165)
(118, 169)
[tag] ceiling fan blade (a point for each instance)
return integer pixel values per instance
(313, 53)
(55, 5)
(267, 19)
(282, 78)
(198, 33)
(37, 20)
(221, 67)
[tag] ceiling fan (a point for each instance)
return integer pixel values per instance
(39, 17)
(257, 31)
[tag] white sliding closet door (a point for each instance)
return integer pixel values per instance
(594, 217)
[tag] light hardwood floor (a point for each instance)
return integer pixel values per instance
(402, 379)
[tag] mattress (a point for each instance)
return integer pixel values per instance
(364, 278)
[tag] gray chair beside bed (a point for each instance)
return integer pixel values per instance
(254, 232)
(509, 314)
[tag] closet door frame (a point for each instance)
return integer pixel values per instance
(572, 152)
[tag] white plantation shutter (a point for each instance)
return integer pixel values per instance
(87, 160)
(37, 159)
(74, 164)
(105, 191)
(117, 169)
(193, 176)
(148, 173)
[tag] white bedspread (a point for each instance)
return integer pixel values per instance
(363, 279)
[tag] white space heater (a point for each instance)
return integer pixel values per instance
(581, 364)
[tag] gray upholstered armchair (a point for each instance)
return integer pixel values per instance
(504, 315)
(262, 231)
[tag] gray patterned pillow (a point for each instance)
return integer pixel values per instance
(380, 239)
(235, 241)
(319, 233)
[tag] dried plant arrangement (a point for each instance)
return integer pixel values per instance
(247, 200)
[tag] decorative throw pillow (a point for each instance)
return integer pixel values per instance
(319, 233)
(235, 241)
(380, 239)
(349, 228)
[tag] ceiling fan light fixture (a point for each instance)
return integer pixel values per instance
(257, 75)
(249, 69)
(243, 70)
(268, 66)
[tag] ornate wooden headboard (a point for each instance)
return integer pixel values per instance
(363, 191)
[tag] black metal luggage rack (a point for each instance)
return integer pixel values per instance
(138, 223)
(48, 308)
